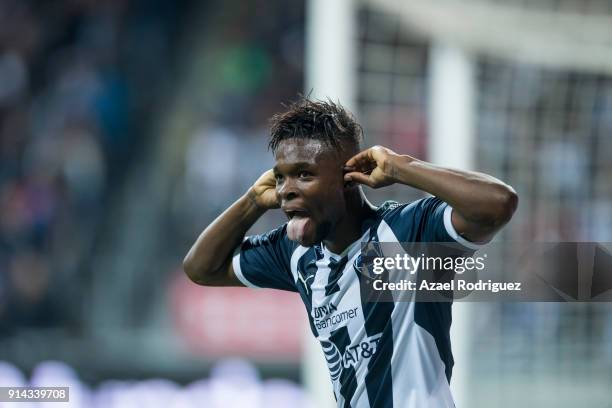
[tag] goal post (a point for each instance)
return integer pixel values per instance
(451, 144)
(329, 73)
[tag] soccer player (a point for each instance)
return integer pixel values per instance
(380, 354)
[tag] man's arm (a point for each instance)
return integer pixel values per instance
(481, 203)
(209, 261)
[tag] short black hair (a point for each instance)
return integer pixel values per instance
(321, 120)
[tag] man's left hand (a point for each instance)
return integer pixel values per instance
(373, 167)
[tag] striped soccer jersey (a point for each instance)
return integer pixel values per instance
(379, 354)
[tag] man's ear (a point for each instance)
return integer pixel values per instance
(349, 184)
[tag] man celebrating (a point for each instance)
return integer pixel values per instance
(380, 354)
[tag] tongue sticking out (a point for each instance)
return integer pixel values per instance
(296, 229)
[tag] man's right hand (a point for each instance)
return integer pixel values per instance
(209, 261)
(263, 192)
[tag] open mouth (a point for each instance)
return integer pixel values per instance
(296, 214)
(300, 225)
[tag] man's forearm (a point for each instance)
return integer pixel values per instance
(478, 197)
(216, 243)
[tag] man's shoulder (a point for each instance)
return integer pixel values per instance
(277, 236)
(388, 207)
(414, 215)
(391, 207)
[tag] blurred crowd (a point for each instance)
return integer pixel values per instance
(256, 67)
(75, 80)
(232, 383)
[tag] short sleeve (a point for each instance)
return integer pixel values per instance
(426, 220)
(263, 261)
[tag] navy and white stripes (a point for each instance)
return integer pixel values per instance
(379, 354)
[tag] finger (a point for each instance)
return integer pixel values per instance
(360, 159)
(360, 178)
(362, 167)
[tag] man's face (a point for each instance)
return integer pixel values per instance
(310, 188)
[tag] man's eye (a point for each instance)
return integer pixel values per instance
(304, 174)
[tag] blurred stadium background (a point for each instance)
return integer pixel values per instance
(127, 125)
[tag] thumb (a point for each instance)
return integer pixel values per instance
(358, 178)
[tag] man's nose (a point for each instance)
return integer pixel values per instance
(287, 190)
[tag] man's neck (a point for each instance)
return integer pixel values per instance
(349, 228)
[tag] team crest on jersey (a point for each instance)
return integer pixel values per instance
(352, 355)
(364, 261)
(358, 262)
